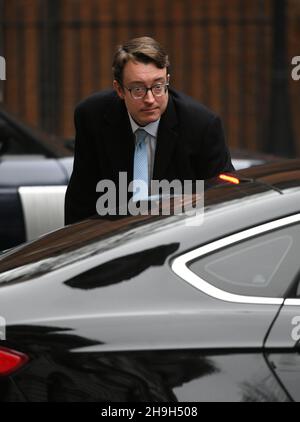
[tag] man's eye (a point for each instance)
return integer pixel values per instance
(138, 89)
(157, 88)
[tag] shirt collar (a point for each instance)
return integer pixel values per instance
(151, 128)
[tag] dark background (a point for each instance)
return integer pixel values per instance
(232, 55)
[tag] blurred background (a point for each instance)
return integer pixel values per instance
(235, 56)
(232, 55)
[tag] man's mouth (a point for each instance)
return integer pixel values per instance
(149, 110)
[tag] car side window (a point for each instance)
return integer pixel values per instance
(264, 266)
(8, 140)
(16, 143)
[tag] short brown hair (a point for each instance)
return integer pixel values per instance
(144, 49)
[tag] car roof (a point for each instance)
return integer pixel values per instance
(27, 171)
(264, 193)
(281, 174)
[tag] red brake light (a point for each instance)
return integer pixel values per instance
(229, 179)
(10, 361)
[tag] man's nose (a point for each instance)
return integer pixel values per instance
(149, 97)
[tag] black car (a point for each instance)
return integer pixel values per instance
(154, 308)
(34, 171)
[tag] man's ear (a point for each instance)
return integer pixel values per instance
(118, 89)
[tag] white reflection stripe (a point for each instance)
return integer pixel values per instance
(292, 302)
(179, 265)
(43, 209)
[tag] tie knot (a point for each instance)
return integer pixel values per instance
(140, 136)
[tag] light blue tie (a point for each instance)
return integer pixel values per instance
(140, 171)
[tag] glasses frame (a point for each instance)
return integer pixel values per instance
(165, 85)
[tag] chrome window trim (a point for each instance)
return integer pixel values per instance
(179, 265)
(292, 302)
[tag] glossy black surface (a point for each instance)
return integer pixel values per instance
(99, 311)
(12, 227)
(164, 376)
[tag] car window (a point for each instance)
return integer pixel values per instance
(10, 144)
(13, 143)
(264, 266)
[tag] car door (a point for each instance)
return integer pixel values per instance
(283, 343)
(261, 266)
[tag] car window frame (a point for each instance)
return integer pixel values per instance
(180, 264)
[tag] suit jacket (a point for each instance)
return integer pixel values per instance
(190, 146)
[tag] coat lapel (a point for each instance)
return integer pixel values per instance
(119, 139)
(167, 139)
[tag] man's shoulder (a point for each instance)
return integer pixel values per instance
(190, 107)
(97, 102)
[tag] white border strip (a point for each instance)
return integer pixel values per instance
(43, 209)
(292, 302)
(179, 265)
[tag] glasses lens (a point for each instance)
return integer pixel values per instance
(138, 92)
(158, 90)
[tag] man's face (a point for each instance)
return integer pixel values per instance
(148, 109)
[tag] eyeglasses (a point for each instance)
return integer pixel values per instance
(139, 92)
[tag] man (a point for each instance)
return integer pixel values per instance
(142, 128)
